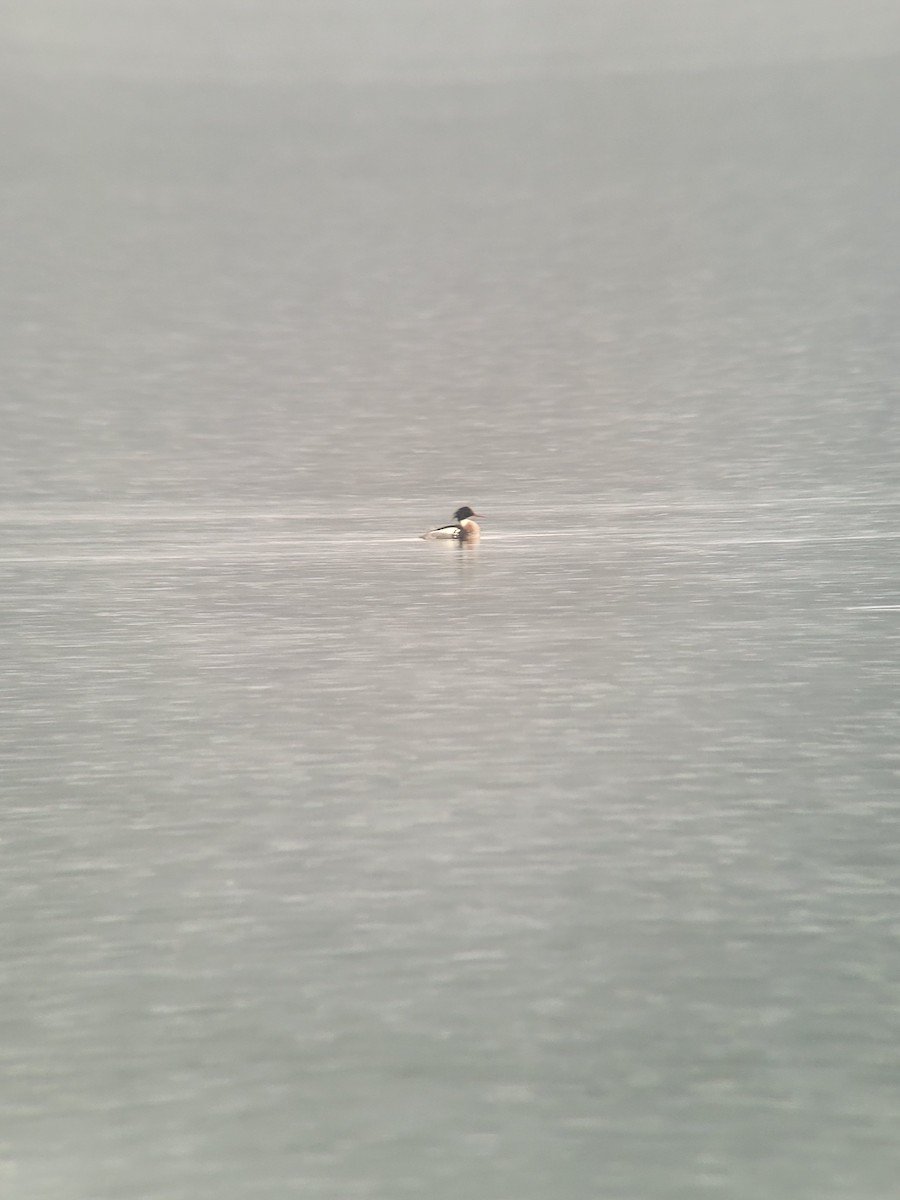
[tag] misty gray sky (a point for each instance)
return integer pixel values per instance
(360, 40)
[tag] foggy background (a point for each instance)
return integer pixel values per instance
(430, 41)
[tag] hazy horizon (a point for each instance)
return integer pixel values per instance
(422, 40)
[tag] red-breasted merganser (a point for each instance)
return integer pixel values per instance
(465, 529)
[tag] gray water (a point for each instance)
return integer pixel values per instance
(339, 864)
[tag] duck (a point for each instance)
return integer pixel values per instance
(465, 529)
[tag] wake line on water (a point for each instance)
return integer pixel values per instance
(149, 518)
(286, 548)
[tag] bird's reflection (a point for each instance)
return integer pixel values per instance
(463, 555)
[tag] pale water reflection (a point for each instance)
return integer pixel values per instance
(556, 864)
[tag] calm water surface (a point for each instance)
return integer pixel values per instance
(340, 864)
